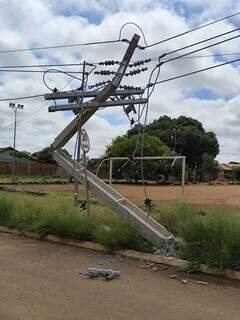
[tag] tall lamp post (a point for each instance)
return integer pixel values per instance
(15, 109)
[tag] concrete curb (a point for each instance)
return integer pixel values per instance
(170, 261)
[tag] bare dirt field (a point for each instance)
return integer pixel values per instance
(41, 280)
(205, 195)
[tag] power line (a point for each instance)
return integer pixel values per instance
(44, 65)
(203, 48)
(22, 98)
(194, 72)
(202, 41)
(61, 46)
(194, 29)
(42, 106)
(211, 55)
(39, 71)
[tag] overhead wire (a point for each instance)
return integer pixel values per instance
(202, 48)
(40, 71)
(202, 41)
(35, 111)
(136, 25)
(194, 29)
(196, 71)
(60, 46)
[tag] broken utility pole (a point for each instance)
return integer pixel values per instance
(135, 217)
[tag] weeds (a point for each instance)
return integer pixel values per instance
(209, 236)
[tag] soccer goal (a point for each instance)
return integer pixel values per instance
(169, 158)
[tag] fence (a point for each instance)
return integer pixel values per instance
(29, 168)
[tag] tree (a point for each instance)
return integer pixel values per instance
(124, 146)
(185, 136)
(45, 155)
(209, 166)
(23, 154)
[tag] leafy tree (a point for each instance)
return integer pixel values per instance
(124, 146)
(209, 166)
(185, 136)
(23, 154)
(45, 155)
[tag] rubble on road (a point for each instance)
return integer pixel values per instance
(108, 274)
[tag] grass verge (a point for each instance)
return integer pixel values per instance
(210, 236)
(56, 215)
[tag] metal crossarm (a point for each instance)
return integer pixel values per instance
(77, 106)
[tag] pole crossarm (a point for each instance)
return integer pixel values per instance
(101, 97)
(78, 106)
(89, 94)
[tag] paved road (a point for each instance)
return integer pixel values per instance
(41, 280)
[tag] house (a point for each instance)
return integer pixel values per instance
(7, 155)
(229, 171)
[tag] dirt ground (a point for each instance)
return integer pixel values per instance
(206, 195)
(41, 280)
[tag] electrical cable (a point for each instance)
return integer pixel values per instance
(39, 71)
(22, 98)
(197, 71)
(60, 46)
(202, 41)
(45, 65)
(35, 111)
(148, 201)
(194, 29)
(136, 25)
(59, 71)
(202, 48)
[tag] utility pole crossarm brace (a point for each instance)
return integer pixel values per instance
(110, 88)
(89, 94)
(78, 106)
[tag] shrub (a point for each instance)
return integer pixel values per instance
(213, 240)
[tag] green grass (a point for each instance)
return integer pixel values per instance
(209, 236)
(55, 214)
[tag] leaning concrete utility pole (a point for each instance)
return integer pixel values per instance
(135, 217)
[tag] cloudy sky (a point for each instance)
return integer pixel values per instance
(212, 97)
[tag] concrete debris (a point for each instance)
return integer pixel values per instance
(167, 249)
(155, 269)
(108, 274)
(184, 281)
(204, 283)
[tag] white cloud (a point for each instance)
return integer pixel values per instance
(34, 23)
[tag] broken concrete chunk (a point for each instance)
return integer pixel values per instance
(108, 274)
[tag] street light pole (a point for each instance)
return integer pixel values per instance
(15, 108)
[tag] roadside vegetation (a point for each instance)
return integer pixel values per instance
(34, 179)
(208, 236)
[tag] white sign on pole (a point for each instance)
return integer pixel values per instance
(85, 142)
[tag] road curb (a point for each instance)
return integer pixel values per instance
(169, 261)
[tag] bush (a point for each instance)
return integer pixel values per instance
(116, 235)
(6, 211)
(213, 240)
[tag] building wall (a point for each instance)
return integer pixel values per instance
(29, 168)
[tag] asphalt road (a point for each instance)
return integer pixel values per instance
(41, 280)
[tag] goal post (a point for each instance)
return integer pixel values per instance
(174, 158)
